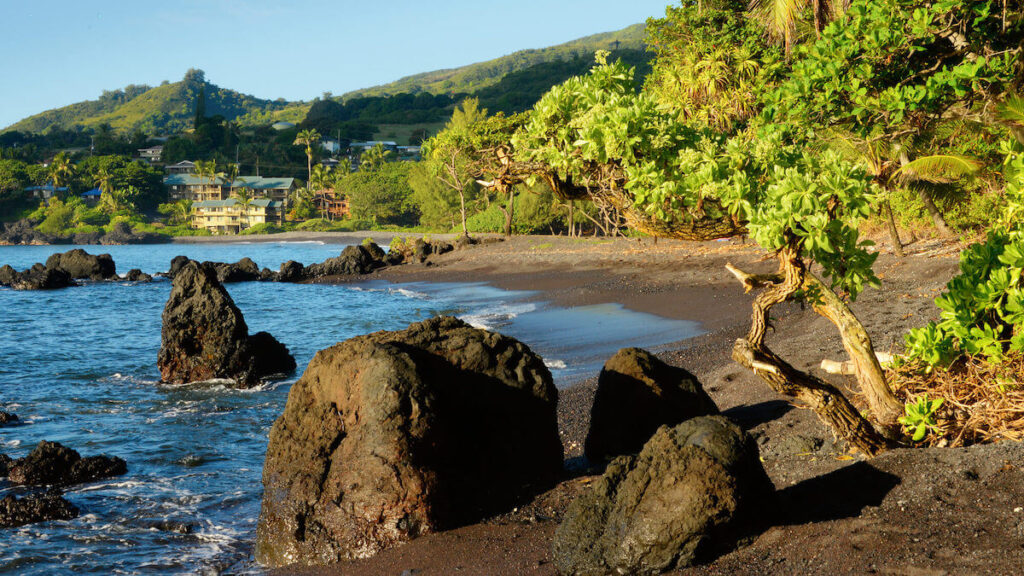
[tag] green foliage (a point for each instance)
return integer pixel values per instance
(58, 218)
(382, 196)
(919, 417)
(263, 228)
(982, 309)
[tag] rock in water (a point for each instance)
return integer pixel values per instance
(637, 393)
(51, 464)
(35, 508)
(693, 489)
(396, 434)
(80, 264)
(7, 418)
(204, 335)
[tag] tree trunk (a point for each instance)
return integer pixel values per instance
(462, 212)
(510, 213)
(894, 234)
(831, 406)
(933, 211)
(572, 205)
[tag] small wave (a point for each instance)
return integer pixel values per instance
(555, 364)
(493, 318)
(409, 293)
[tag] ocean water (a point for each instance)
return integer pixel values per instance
(79, 367)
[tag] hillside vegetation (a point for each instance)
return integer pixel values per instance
(475, 77)
(167, 108)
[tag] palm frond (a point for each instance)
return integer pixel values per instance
(937, 169)
(1011, 111)
(779, 18)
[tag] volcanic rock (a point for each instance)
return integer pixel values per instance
(35, 508)
(51, 463)
(397, 434)
(204, 335)
(38, 277)
(136, 275)
(354, 260)
(291, 271)
(7, 418)
(80, 264)
(5, 464)
(245, 270)
(693, 490)
(637, 393)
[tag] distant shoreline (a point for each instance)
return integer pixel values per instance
(357, 237)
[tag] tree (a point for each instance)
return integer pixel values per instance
(61, 171)
(231, 175)
(308, 138)
(320, 181)
(448, 155)
(244, 197)
(206, 171)
(374, 158)
(382, 196)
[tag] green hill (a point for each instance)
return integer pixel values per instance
(168, 108)
(471, 78)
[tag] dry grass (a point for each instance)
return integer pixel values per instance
(983, 402)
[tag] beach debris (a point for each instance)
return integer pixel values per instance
(848, 368)
(52, 464)
(637, 393)
(35, 508)
(393, 435)
(692, 491)
(205, 337)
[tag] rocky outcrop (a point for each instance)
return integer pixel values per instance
(245, 270)
(396, 434)
(51, 464)
(122, 233)
(38, 277)
(7, 419)
(136, 275)
(23, 232)
(354, 260)
(5, 463)
(693, 490)
(205, 337)
(80, 264)
(637, 393)
(35, 508)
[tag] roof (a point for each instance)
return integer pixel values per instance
(154, 149)
(260, 202)
(46, 188)
(182, 164)
(254, 182)
(93, 192)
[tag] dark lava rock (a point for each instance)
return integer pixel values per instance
(354, 260)
(121, 233)
(5, 464)
(7, 418)
(268, 275)
(50, 463)
(8, 275)
(245, 270)
(394, 258)
(136, 275)
(80, 264)
(35, 508)
(421, 250)
(23, 232)
(637, 393)
(87, 238)
(375, 251)
(177, 263)
(397, 434)
(692, 491)
(465, 241)
(442, 247)
(291, 271)
(39, 277)
(204, 335)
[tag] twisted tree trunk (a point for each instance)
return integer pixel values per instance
(831, 406)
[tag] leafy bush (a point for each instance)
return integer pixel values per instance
(263, 228)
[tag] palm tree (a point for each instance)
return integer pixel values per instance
(182, 210)
(61, 171)
(374, 158)
(780, 18)
(244, 198)
(104, 180)
(206, 170)
(308, 138)
(231, 174)
(320, 181)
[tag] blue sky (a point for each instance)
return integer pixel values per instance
(59, 52)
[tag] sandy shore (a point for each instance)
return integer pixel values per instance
(914, 512)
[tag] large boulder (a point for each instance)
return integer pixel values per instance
(52, 464)
(693, 490)
(245, 270)
(122, 233)
(80, 264)
(35, 508)
(396, 434)
(136, 275)
(205, 337)
(24, 232)
(5, 464)
(637, 393)
(291, 271)
(354, 260)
